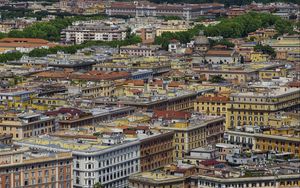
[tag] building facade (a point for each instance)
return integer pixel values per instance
(48, 170)
(250, 108)
(186, 11)
(26, 125)
(156, 151)
(193, 134)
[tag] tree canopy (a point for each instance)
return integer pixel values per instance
(236, 27)
(48, 30)
(216, 79)
(265, 49)
(41, 52)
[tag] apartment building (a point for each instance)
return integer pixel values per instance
(156, 151)
(6, 138)
(186, 11)
(111, 157)
(212, 105)
(151, 100)
(74, 118)
(278, 143)
(92, 90)
(157, 65)
(254, 108)
(24, 168)
(265, 141)
(270, 181)
(17, 98)
(191, 130)
(81, 32)
(139, 50)
(26, 125)
(94, 161)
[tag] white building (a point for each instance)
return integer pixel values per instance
(109, 165)
(81, 32)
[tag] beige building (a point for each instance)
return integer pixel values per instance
(255, 108)
(192, 131)
(139, 50)
(212, 105)
(26, 125)
(23, 168)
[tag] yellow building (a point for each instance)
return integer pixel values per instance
(224, 89)
(95, 9)
(255, 108)
(172, 26)
(194, 132)
(96, 89)
(212, 105)
(261, 34)
(16, 98)
(259, 57)
(160, 31)
(282, 140)
(26, 125)
(293, 55)
(278, 143)
(269, 74)
(47, 103)
(286, 119)
(238, 73)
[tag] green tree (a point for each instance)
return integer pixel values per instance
(223, 42)
(49, 30)
(98, 185)
(216, 79)
(265, 49)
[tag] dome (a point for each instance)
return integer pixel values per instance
(201, 39)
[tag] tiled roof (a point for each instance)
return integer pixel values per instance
(209, 162)
(72, 111)
(171, 114)
(223, 53)
(24, 40)
(294, 84)
(92, 75)
(213, 98)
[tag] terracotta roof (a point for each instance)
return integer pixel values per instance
(171, 114)
(24, 40)
(294, 84)
(209, 162)
(136, 91)
(213, 98)
(24, 43)
(92, 75)
(135, 82)
(225, 53)
(142, 127)
(129, 131)
(174, 84)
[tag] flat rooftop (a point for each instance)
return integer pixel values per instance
(277, 92)
(156, 177)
